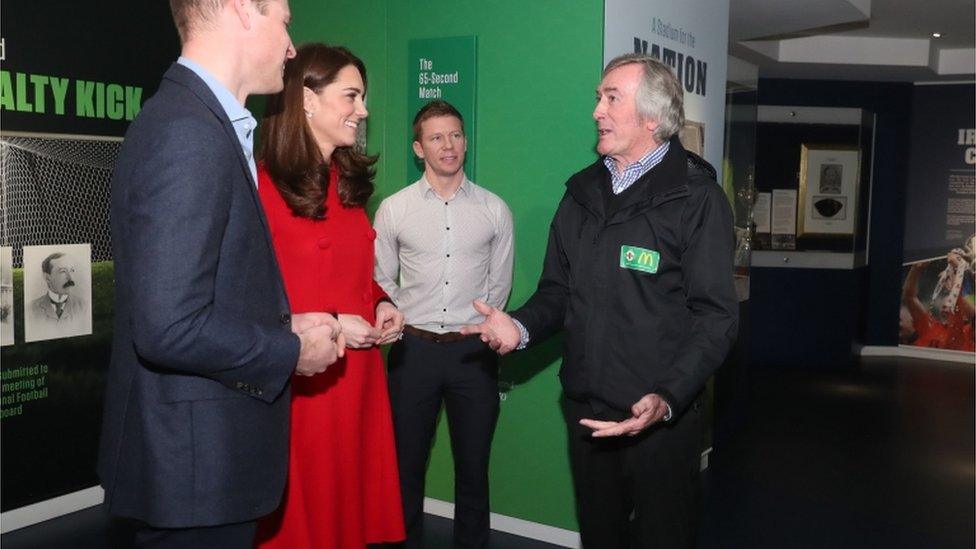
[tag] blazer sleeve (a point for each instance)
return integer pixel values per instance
(176, 217)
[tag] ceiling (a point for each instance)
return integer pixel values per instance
(886, 40)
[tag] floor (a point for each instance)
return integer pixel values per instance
(881, 455)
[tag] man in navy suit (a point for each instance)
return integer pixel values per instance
(194, 436)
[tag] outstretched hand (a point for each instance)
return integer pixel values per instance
(647, 411)
(498, 329)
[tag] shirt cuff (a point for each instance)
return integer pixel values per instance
(667, 416)
(523, 335)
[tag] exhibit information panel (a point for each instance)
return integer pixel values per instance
(691, 37)
(443, 68)
(938, 294)
(73, 78)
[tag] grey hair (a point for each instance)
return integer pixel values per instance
(659, 94)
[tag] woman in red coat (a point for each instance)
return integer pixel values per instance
(343, 488)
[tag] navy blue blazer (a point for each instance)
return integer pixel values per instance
(195, 425)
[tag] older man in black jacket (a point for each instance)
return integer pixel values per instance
(639, 271)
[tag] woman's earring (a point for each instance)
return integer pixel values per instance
(308, 114)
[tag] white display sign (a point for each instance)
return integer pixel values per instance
(760, 212)
(692, 37)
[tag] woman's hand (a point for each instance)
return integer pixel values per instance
(358, 333)
(389, 322)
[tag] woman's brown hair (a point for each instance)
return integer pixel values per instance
(288, 148)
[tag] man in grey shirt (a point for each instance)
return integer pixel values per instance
(450, 242)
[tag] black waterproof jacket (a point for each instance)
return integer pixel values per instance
(630, 332)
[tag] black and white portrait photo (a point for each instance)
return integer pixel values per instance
(6, 296)
(831, 176)
(57, 291)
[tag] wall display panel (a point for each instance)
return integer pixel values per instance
(74, 75)
(444, 68)
(55, 211)
(537, 65)
(691, 37)
(79, 67)
(938, 298)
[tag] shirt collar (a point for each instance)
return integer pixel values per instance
(648, 161)
(57, 298)
(235, 111)
(427, 191)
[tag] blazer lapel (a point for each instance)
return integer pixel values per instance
(189, 79)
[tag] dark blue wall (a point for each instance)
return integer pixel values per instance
(811, 316)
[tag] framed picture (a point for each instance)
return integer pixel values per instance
(829, 176)
(692, 137)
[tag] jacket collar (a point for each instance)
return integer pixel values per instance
(190, 80)
(668, 178)
(182, 76)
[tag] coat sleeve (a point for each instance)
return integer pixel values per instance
(707, 271)
(175, 210)
(544, 313)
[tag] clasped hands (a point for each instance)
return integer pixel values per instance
(501, 334)
(324, 337)
(361, 335)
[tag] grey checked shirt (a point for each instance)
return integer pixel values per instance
(444, 253)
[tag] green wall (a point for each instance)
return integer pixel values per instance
(538, 64)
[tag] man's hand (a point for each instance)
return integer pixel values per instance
(359, 333)
(389, 322)
(321, 347)
(498, 329)
(650, 409)
(303, 321)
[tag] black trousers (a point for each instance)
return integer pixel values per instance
(640, 491)
(132, 533)
(464, 375)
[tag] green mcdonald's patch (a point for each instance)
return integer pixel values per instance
(639, 259)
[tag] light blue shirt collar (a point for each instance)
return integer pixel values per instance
(241, 118)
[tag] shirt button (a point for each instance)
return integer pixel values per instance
(445, 310)
(446, 282)
(449, 228)
(448, 255)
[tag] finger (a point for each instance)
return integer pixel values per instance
(476, 329)
(482, 307)
(642, 406)
(597, 424)
(341, 346)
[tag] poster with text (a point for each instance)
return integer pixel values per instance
(74, 75)
(445, 69)
(692, 38)
(940, 220)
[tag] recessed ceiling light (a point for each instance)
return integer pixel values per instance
(936, 35)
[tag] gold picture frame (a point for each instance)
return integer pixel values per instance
(829, 181)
